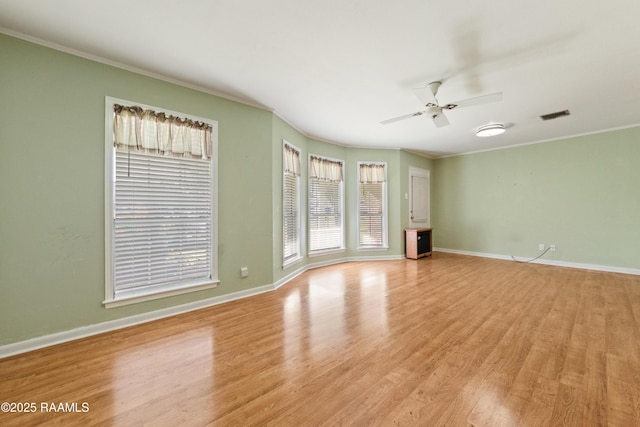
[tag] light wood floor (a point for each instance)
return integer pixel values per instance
(451, 340)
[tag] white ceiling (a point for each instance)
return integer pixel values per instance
(335, 68)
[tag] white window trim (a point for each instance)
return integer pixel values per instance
(342, 247)
(299, 229)
(138, 295)
(385, 212)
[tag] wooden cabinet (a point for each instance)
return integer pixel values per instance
(417, 242)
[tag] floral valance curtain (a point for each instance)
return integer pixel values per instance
(324, 169)
(291, 160)
(372, 173)
(148, 131)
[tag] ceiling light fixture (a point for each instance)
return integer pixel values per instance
(490, 130)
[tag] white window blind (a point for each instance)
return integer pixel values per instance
(371, 215)
(163, 222)
(326, 222)
(291, 204)
(290, 217)
(372, 206)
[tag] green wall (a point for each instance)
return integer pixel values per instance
(581, 194)
(52, 188)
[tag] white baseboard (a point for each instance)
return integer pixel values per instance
(286, 279)
(111, 325)
(377, 258)
(313, 265)
(596, 267)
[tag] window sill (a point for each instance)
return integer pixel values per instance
(134, 297)
(290, 262)
(326, 252)
(373, 248)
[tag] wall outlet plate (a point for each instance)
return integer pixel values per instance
(541, 247)
(244, 272)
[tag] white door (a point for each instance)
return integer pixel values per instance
(419, 215)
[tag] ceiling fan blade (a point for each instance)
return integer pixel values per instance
(440, 120)
(484, 99)
(397, 119)
(425, 95)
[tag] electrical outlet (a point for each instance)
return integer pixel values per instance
(244, 272)
(552, 248)
(541, 247)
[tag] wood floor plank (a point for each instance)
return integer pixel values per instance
(622, 333)
(448, 340)
(567, 410)
(539, 409)
(623, 385)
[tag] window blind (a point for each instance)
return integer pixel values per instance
(325, 215)
(290, 217)
(371, 214)
(162, 220)
(290, 203)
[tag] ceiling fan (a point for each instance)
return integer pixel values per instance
(435, 111)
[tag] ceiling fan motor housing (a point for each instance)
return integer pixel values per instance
(434, 111)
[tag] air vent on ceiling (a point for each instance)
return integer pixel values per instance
(555, 115)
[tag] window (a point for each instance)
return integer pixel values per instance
(291, 205)
(372, 206)
(326, 212)
(161, 203)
